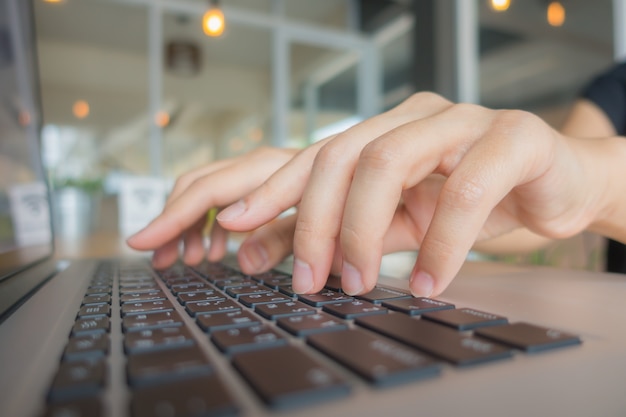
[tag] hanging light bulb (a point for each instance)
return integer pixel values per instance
(500, 5)
(555, 14)
(213, 20)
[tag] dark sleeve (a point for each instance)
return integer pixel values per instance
(608, 91)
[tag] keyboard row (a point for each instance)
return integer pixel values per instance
(385, 337)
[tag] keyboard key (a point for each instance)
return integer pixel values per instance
(434, 339)
(275, 283)
(97, 299)
(135, 297)
(380, 361)
(265, 298)
(465, 318)
(162, 366)
(202, 396)
(227, 320)
(310, 324)
(215, 306)
(247, 290)
(277, 310)
(78, 379)
(208, 295)
(90, 346)
(286, 377)
(94, 310)
(417, 306)
(247, 338)
(529, 337)
(83, 407)
(287, 290)
(353, 309)
(100, 324)
(192, 286)
(137, 322)
(146, 307)
(324, 297)
(144, 287)
(380, 294)
(333, 283)
(165, 338)
(239, 281)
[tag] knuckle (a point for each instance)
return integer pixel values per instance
(468, 193)
(423, 99)
(329, 155)
(380, 155)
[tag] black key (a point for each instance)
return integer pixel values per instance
(92, 346)
(265, 298)
(310, 324)
(100, 324)
(275, 283)
(353, 309)
(465, 318)
(324, 297)
(227, 320)
(417, 306)
(83, 407)
(202, 396)
(269, 276)
(77, 379)
(290, 308)
(136, 297)
(189, 287)
(97, 299)
(136, 322)
(247, 338)
(287, 377)
(333, 283)
(146, 307)
(440, 341)
(247, 290)
(138, 285)
(182, 280)
(234, 282)
(208, 295)
(380, 294)
(215, 306)
(98, 291)
(139, 288)
(287, 289)
(161, 366)
(156, 339)
(529, 337)
(380, 361)
(94, 310)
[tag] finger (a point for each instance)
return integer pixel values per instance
(217, 189)
(218, 242)
(193, 240)
(398, 160)
(323, 201)
(184, 181)
(493, 167)
(166, 255)
(267, 246)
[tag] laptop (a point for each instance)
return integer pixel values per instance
(114, 338)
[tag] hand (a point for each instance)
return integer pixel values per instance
(428, 175)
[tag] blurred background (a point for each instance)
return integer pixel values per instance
(137, 92)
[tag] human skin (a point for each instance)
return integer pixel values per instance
(429, 175)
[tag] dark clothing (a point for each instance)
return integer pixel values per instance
(608, 91)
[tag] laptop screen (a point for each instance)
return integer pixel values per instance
(25, 221)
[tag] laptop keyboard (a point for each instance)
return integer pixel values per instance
(283, 345)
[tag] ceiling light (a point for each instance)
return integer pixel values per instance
(213, 20)
(54, 1)
(500, 5)
(80, 109)
(555, 14)
(162, 119)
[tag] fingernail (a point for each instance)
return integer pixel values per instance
(302, 277)
(422, 284)
(256, 256)
(232, 212)
(351, 281)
